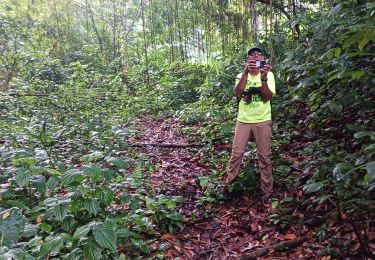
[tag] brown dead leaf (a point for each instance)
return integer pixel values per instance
(372, 245)
(356, 247)
(39, 219)
(290, 236)
(168, 236)
(254, 227)
(6, 214)
(251, 245)
(371, 236)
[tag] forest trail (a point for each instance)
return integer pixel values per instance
(230, 228)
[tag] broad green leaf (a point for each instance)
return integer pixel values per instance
(92, 251)
(364, 134)
(335, 10)
(203, 182)
(105, 236)
(52, 182)
(118, 162)
(81, 231)
(93, 171)
(312, 187)
(83, 189)
(50, 202)
(51, 244)
(30, 230)
(91, 205)
(75, 254)
(37, 169)
(171, 204)
(23, 177)
(274, 203)
(71, 176)
(141, 245)
(59, 211)
(353, 39)
(69, 223)
(340, 170)
(93, 157)
(105, 196)
(369, 36)
(12, 225)
(370, 168)
(45, 227)
(150, 203)
(39, 182)
(357, 74)
(16, 203)
(108, 174)
(337, 52)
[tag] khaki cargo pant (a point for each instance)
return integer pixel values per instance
(262, 133)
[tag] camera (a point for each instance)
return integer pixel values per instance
(248, 95)
(260, 63)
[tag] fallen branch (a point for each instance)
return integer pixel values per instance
(276, 247)
(166, 145)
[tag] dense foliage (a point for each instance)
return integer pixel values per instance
(76, 74)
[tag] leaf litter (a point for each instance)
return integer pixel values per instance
(239, 225)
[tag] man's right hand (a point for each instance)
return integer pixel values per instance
(250, 65)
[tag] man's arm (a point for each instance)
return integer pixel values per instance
(264, 90)
(240, 87)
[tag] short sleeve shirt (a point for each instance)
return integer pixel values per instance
(255, 111)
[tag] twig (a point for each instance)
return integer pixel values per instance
(277, 247)
(166, 145)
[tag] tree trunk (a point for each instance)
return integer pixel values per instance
(145, 41)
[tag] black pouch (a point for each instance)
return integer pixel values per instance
(248, 95)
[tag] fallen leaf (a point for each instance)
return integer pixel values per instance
(6, 214)
(371, 236)
(39, 219)
(168, 236)
(372, 245)
(356, 247)
(251, 246)
(290, 237)
(254, 227)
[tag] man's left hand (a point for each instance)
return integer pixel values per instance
(264, 71)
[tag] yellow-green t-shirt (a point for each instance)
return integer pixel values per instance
(256, 111)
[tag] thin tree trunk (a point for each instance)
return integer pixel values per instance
(114, 39)
(100, 41)
(145, 41)
(179, 29)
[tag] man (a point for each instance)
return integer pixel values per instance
(255, 87)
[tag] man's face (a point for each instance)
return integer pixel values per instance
(255, 55)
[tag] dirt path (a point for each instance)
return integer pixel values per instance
(226, 229)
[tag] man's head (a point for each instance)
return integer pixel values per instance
(255, 53)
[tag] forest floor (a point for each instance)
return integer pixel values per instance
(238, 226)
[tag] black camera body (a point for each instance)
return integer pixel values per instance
(260, 63)
(248, 95)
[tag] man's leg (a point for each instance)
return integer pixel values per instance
(263, 133)
(241, 137)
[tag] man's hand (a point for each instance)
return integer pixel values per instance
(250, 65)
(264, 71)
